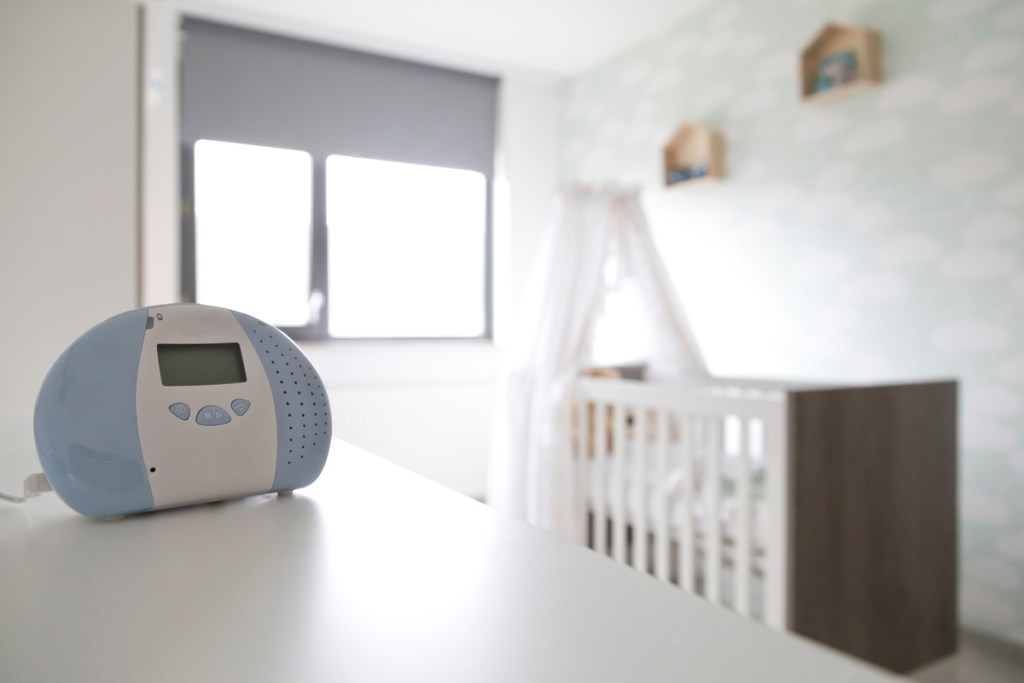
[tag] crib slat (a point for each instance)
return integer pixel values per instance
(582, 471)
(742, 547)
(640, 487)
(689, 434)
(618, 506)
(712, 523)
(600, 453)
(661, 541)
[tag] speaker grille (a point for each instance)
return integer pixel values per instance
(300, 400)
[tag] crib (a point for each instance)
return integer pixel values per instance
(826, 511)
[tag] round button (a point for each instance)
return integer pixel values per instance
(239, 406)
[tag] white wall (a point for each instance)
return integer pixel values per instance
(67, 192)
(530, 112)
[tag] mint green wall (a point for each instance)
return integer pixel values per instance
(875, 238)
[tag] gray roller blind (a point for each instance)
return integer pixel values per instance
(246, 86)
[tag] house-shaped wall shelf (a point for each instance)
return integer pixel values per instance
(694, 155)
(841, 60)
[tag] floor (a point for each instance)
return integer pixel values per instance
(980, 660)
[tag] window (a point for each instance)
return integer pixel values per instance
(334, 193)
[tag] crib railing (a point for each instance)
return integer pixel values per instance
(672, 481)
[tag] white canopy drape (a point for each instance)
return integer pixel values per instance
(597, 235)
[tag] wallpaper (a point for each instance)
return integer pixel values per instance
(879, 237)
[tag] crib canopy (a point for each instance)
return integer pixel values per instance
(598, 241)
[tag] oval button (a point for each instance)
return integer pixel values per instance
(211, 416)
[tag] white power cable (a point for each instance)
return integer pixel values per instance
(34, 485)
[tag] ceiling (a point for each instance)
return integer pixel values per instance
(558, 38)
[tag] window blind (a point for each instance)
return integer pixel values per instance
(240, 85)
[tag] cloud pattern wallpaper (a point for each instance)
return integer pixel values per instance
(873, 238)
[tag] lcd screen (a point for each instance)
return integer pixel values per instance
(184, 365)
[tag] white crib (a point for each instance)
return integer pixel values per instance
(790, 505)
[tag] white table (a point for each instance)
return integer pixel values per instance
(371, 574)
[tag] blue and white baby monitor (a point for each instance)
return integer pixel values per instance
(179, 404)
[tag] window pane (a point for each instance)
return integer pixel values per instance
(407, 249)
(254, 230)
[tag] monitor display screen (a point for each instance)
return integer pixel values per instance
(200, 364)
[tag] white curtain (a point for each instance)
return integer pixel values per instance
(598, 236)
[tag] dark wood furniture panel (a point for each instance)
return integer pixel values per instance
(874, 521)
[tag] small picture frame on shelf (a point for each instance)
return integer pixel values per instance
(841, 60)
(684, 173)
(695, 154)
(836, 69)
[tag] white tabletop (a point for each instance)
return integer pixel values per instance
(370, 574)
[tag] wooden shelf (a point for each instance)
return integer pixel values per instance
(694, 156)
(843, 59)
